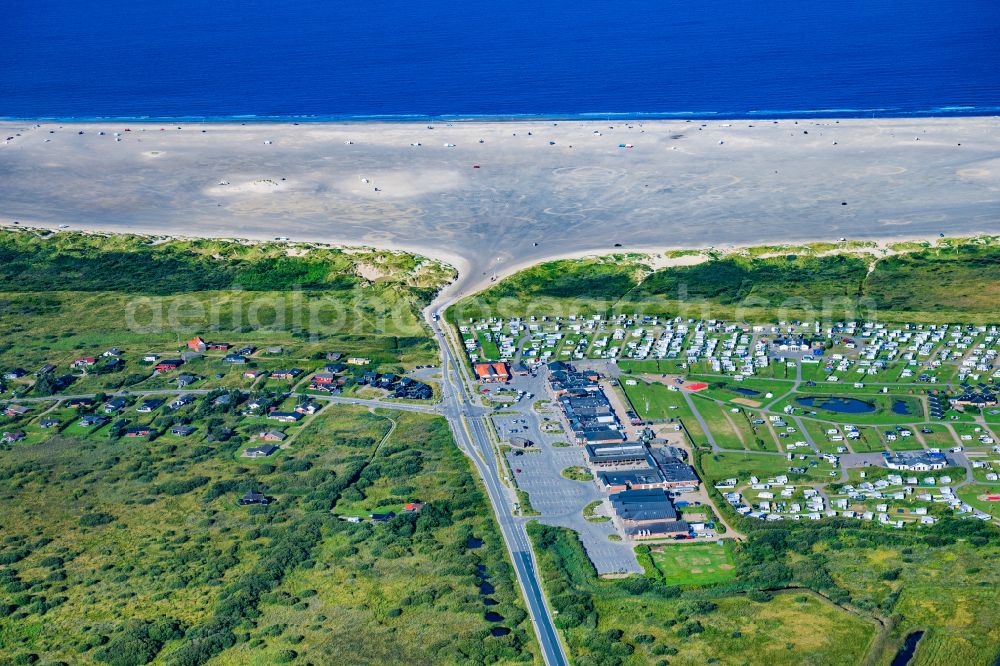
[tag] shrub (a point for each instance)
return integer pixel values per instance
(96, 519)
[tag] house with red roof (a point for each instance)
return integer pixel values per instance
(492, 372)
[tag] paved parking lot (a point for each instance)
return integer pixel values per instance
(559, 500)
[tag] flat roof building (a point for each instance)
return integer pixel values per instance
(915, 461)
(666, 529)
(641, 479)
(613, 455)
(640, 507)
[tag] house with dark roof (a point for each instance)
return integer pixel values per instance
(149, 405)
(974, 398)
(114, 405)
(324, 378)
(180, 401)
(285, 417)
(16, 410)
(91, 420)
(262, 451)
(254, 498)
(186, 380)
(181, 430)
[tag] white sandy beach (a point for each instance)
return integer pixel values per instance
(490, 196)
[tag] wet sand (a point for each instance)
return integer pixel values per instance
(542, 189)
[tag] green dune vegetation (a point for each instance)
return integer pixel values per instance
(125, 553)
(950, 280)
(832, 593)
(129, 550)
(66, 295)
(41, 261)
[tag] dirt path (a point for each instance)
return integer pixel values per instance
(732, 424)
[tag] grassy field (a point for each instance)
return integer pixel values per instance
(656, 402)
(726, 465)
(939, 590)
(695, 564)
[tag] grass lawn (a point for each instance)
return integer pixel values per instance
(724, 425)
(487, 347)
(577, 473)
(725, 465)
(974, 494)
(695, 564)
(654, 401)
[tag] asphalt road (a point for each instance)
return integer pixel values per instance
(473, 438)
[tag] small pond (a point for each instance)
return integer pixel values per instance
(493, 617)
(839, 405)
(905, 653)
(473, 542)
(499, 631)
(486, 588)
(900, 407)
(750, 393)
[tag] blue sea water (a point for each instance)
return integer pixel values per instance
(396, 58)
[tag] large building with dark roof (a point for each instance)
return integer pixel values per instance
(616, 455)
(648, 514)
(640, 479)
(637, 507)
